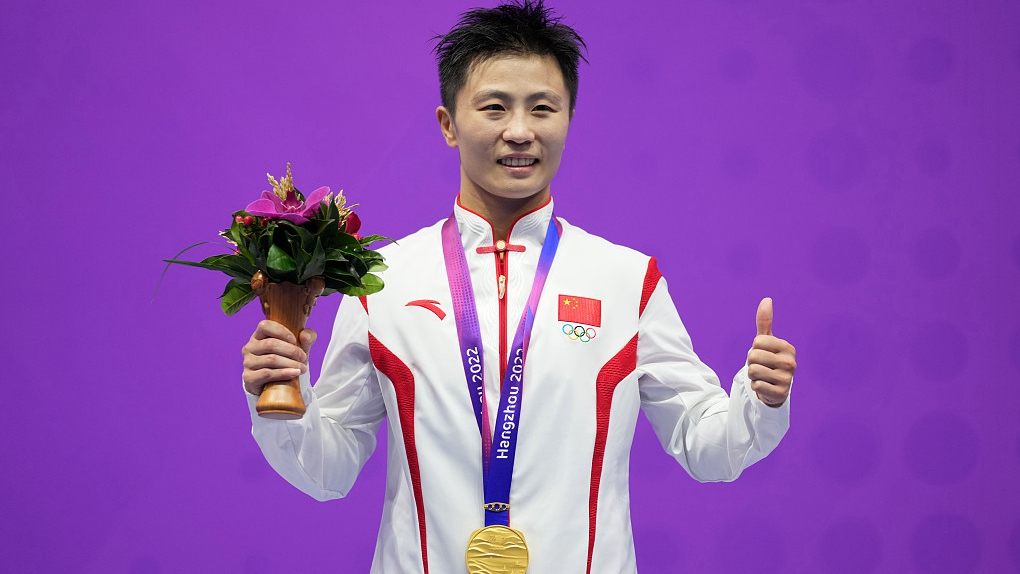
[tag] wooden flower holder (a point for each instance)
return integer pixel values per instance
(288, 304)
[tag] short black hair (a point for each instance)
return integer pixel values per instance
(519, 27)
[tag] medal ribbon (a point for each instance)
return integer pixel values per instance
(497, 472)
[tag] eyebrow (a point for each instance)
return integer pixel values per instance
(501, 95)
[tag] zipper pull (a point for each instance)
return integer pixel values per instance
(502, 286)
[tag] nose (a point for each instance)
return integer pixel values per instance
(518, 129)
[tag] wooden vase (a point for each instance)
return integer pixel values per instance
(288, 304)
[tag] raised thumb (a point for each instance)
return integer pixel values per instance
(763, 318)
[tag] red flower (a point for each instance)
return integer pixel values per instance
(352, 223)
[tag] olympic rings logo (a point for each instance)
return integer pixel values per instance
(579, 332)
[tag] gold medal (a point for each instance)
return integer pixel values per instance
(497, 550)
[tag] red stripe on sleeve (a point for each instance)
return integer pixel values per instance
(403, 385)
(652, 276)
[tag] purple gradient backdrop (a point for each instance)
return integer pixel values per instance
(856, 160)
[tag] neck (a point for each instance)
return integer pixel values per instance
(502, 212)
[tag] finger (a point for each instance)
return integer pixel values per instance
(260, 370)
(777, 361)
(763, 318)
(776, 377)
(258, 362)
(272, 346)
(771, 395)
(263, 377)
(308, 338)
(254, 381)
(772, 344)
(271, 329)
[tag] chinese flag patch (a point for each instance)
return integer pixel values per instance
(580, 310)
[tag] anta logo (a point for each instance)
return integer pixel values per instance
(430, 304)
(579, 317)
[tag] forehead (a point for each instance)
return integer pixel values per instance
(514, 73)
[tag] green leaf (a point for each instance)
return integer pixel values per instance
(366, 241)
(335, 255)
(347, 242)
(377, 266)
(231, 264)
(358, 267)
(232, 304)
(234, 283)
(201, 264)
(299, 255)
(340, 272)
(371, 256)
(173, 260)
(340, 279)
(255, 254)
(236, 295)
(329, 233)
(236, 232)
(265, 241)
(279, 260)
(233, 260)
(370, 284)
(258, 252)
(307, 238)
(316, 265)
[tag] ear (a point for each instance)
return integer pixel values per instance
(446, 125)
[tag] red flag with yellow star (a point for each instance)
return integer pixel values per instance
(580, 310)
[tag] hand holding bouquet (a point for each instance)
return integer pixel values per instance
(288, 250)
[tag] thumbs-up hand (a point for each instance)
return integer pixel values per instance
(771, 360)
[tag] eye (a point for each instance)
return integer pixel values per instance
(493, 108)
(543, 108)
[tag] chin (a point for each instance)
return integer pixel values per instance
(520, 192)
(518, 196)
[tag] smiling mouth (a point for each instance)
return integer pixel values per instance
(518, 161)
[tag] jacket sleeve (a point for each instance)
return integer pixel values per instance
(712, 435)
(323, 452)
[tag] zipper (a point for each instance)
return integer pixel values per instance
(501, 274)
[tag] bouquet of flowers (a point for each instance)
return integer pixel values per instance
(284, 237)
(287, 251)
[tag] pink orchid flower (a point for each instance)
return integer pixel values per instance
(292, 209)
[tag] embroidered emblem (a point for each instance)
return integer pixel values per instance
(580, 310)
(583, 310)
(430, 304)
(579, 332)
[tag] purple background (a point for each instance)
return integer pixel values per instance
(856, 160)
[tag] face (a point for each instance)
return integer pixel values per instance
(510, 126)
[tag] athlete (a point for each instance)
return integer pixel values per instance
(511, 352)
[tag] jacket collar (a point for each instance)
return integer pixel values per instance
(528, 230)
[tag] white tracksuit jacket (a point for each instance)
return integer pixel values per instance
(388, 359)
